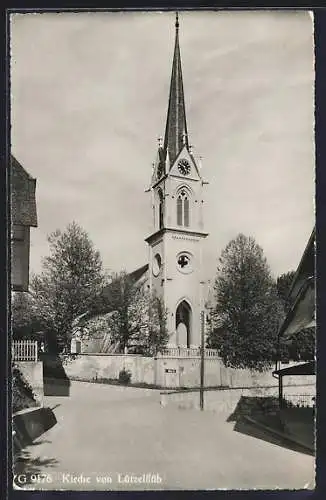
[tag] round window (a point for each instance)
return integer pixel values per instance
(185, 262)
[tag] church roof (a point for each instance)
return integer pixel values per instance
(23, 202)
(101, 341)
(103, 305)
(138, 273)
(176, 134)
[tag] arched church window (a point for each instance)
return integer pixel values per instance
(183, 209)
(186, 211)
(179, 210)
(161, 208)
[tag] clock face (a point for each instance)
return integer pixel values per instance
(157, 264)
(184, 167)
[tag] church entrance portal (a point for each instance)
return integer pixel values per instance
(183, 324)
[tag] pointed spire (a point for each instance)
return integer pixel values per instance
(176, 126)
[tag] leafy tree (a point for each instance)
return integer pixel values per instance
(138, 320)
(69, 284)
(283, 284)
(247, 311)
(301, 345)
(153, 334)
(25, 324)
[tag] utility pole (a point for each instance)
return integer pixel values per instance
(202, 359)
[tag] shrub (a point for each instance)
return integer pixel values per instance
(124, 377)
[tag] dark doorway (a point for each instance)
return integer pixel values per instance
(183, 324)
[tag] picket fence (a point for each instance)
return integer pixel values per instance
(24, 350)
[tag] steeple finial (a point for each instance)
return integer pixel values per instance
(176, 21)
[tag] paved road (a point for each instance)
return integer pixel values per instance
(106, 435)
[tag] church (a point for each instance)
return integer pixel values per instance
(175, 245)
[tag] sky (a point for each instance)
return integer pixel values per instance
(89, 96)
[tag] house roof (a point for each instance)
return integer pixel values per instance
(302, 294)
(305, 269)
(308, 368)
(23, 201)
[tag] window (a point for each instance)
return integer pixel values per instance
(183, 209)
(161, 209)
(179, 210)
(185, 262)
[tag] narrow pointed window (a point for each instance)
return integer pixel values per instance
(161, 209)
(179, 210)
(186, 211)
(183, 215)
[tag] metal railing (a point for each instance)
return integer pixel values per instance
(186, 352)
(298, 400)
(24, 350)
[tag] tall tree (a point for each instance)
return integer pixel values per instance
(247, 311)
(283, 284)
(69, 284)
(138, 320)
(25, 324)
(301, 345)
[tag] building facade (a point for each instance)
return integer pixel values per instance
(177, 199)
(23, 217)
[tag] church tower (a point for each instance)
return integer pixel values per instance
(175, 245)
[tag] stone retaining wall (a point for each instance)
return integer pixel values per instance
(92, 366)
(224, 401)
(173, 372)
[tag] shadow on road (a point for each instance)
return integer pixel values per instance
(26, 468)
(265, 411)
(55, 379)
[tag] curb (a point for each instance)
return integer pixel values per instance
(280, 434)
